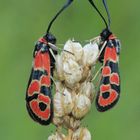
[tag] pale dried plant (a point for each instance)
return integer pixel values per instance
(74, 89)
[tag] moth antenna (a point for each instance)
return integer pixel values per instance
(107, 11)
(58, 13)
(97, 10)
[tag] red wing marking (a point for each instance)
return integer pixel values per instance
(45, 80)
(45, 114)
(43, 98)
(112, 97)
(114, 79)
(105, 88)
(42, 60)
(38, 61)
(110, 54)
(34, 87)
(106, 71)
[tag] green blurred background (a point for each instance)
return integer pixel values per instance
(22, 22)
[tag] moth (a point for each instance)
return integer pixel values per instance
(109, 90)
(39, 100)
(38, 94)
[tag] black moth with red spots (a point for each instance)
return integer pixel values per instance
(109, 91)
(38, 95)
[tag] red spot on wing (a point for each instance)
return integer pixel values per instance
(42, 61)
(114, 79)
(38, 63)
(106, 71)
(44, 115)
(33, 87)
(105, 102)
(110, 54)
(45, 80)
(46, 62)
(105, 88)
(44, 99)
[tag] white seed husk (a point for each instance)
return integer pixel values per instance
(74, 91)
(58, 107)
(82, 106)
(59, 66)
(73, 50)
(86, 75)
(71, 123)
(88, 89)
(57, 136)
(72, 72)
(67, 102)
(68, 51)
(74, 124)
(63, 103)
(81, 134)
(77, 51)
(57, 121)
(91, 52)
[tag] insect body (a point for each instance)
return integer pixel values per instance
(109, 91)
(109, 46)
(38, 94)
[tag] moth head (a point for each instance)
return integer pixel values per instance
(50, 38)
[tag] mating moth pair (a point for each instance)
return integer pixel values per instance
(39, 100)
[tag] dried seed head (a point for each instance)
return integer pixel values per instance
(81, 134)
(86, 75)
(57, 136)
(88, 89)
(59, 86)
(68, 51)
(68, 46)
(59, 66)
(82, 106)
(74, 124)
(71, 123)
(71, 49)
(74, 92)
(90, 54)
(66, 123)
(58, 107)
(63, 103)
(72, 72)
(67, 102)
(77, 51)
(57, 121)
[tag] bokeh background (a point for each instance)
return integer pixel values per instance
(22, 22)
